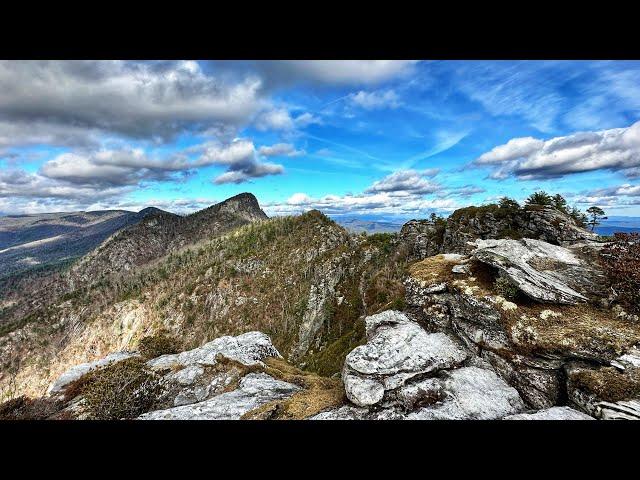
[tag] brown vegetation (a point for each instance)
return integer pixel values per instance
(621, 262)
(608, 384)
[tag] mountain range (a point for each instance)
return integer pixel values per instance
(489, 313)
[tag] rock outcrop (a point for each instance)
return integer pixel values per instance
(422, 238)
(553, 413)
(544, 272)
(254, 390)
(425, 238)
(397, 350)
(74, 373)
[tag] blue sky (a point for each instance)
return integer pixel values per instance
(388, 138)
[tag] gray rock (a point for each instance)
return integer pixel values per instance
(421, 239)
(544, 272)
(188, 375)
(349, 412)
(472, 393)
(418, 393)
(553, 413)
(363, 391)
(255, 389)
(397, 350)
(249, 349)
(461, 269)
(622, 410)
(78, 371)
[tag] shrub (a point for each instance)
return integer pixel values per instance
(506, 289)
(621, 262)
(125, 389)
(540, 198)
(23, 408)
(153, 346)
(608, 384)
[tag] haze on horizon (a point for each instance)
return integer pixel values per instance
(366, 138)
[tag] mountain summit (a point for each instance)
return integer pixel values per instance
(162, 233)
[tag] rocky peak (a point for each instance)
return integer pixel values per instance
(244, 205)
(425, 238)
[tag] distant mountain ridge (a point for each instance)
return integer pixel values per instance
(160, 233)
(36, 241)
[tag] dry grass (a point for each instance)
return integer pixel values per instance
(318, 394)
(23, 408)
(581, 329)
(433, 270)
(608, 384)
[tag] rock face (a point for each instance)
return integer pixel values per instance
(255, 389)
(249, 349)
(553, 413)
(421, 236)
(544, 272)
(405, 372)
(397, 350)
(424, 238)
(473, 393)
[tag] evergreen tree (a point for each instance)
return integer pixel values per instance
(596, 214)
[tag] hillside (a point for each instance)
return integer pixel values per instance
(488, 314)
(303, 280)
(30, 242)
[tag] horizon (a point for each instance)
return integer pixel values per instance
(385, 139)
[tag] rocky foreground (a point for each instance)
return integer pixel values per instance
(556, 350)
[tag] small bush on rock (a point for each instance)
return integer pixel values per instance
(621, 262)
(608, 384)
(23, 408)
(506, 289)
(153, 346)
(125, 389)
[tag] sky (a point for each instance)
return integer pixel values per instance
(393, 139)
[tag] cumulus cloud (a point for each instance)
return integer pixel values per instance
(241, 160)
(375, 100)
(617, 149)
(280, 150)
(361, 204)
(619, 196)
(402, 192)
(405, 182)
(136, 99)
(334, 72)
(281, 119)
(245, 172)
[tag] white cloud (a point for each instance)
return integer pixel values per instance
(136, 99)
(375, 100)
(281, 119)
(362, 204)
(247, 172)
(405, 182)
(275, 119)
(528, 158)
(280, 150)
(342, 72)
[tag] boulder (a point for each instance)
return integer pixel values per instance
(78, 371)
(472, 393)
(249, 349)
(350, 412)
(622, 410)
(553, 413)
(254, 390)
(544, 272)
(397, 349)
